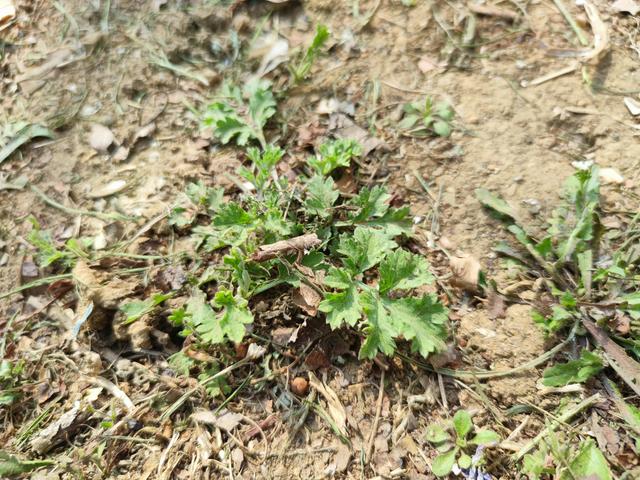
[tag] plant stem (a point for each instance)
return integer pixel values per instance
(75, 211)
(572, 23)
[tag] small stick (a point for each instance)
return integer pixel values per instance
(550, 76)
(303, 451)
(565, 417)
(490, 11)
(374, 427)
(572, 23)
(283, 247)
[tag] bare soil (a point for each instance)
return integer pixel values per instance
(519, 142)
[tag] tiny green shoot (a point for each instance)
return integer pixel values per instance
(424, 118)
(300, 70)
(455, 440)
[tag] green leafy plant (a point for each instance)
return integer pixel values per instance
(335, 154)
(454, 440)
(262, 165)
(241, 115)
(575, 371)
(424, 118)
(569, 256)
(301, 69)
(369, 279)
(384, 317)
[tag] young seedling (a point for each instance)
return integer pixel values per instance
(335, 154)
(262, 166)
(301, 69)
(47, 251)
(241, 115)
(454, 440)
(426, 118)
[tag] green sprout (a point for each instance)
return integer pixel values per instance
(426, 118)
(301, 69)
(454, 440)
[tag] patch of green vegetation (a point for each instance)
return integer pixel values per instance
(582, 262)
(576, 371)
(455, 440)
(47, 251)
(590, 272)
(566, 460)
(369, 279)
(424, 118)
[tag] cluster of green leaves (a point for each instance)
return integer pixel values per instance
(332, 155)
(368, 277)
(424, 118)
(10, 378)
(262, 165)
(241, 114)
(300, 70)
(574, 371)
(453, 441)
(569, 462)
(383, 316)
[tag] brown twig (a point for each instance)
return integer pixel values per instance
(491, 11)
(284, 247)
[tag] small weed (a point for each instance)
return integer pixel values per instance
(583, 264)
(454, 440)
(334, 155)
(262, 165)
(301, 69)
(562, 460)
(241, 114)
(48, 253)
(426, 118)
